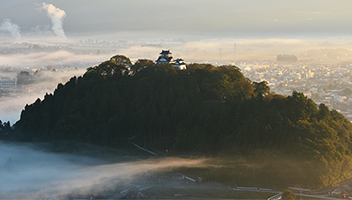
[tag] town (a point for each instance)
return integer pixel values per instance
(323, 74)
(328, 84)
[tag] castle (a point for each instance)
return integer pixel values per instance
(166, 57)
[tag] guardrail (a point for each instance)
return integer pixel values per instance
(276, 197)
(300, 189)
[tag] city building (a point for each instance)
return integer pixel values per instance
(7, 82)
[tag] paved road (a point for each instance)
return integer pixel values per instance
(316, 196)
(167, 182)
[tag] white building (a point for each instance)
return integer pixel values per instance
(178, 176)
(179, 64)
(298, 76)
(166, 57)
(7, 82)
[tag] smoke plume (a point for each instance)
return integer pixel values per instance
(14, 29)
(56, 15)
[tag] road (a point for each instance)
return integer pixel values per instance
(182, 184)
(170, 183)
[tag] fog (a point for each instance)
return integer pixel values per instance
(65, 65)
(12, 104)
(72, 57)
(28, 171)
(42, 59)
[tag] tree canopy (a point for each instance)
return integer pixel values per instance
(204, 110)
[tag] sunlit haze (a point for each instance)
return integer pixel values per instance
(301, 45)
(35, 34)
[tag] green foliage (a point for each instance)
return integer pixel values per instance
(107, 69)
(121, 60)
(261, 88)
(165, 70)
(142, 66)
(117, 100)
(204, 110)
(288, 195)
(5, 130)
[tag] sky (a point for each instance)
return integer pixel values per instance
(202, 18)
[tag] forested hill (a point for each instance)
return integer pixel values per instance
(117, 100)
(202, 110)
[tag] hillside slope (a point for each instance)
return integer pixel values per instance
(204, 110)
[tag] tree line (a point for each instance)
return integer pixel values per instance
(203, 110)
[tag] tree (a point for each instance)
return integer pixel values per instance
(261, 88)
(347, 91)
(323, 111)
(142, 64)
(24, 78)
(166, 70)
(108, 69)
(288, 194)
(121, 60)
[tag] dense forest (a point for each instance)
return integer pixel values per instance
(6, 130)
(201, 111)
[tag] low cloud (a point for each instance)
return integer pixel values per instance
(12, 104)
(30, 172)
(42, 59)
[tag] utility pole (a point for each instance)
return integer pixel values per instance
(253, 176)
(234, 53)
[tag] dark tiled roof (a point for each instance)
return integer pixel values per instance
(165, 52)
(168, 59)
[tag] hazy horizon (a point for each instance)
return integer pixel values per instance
(204, 18)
